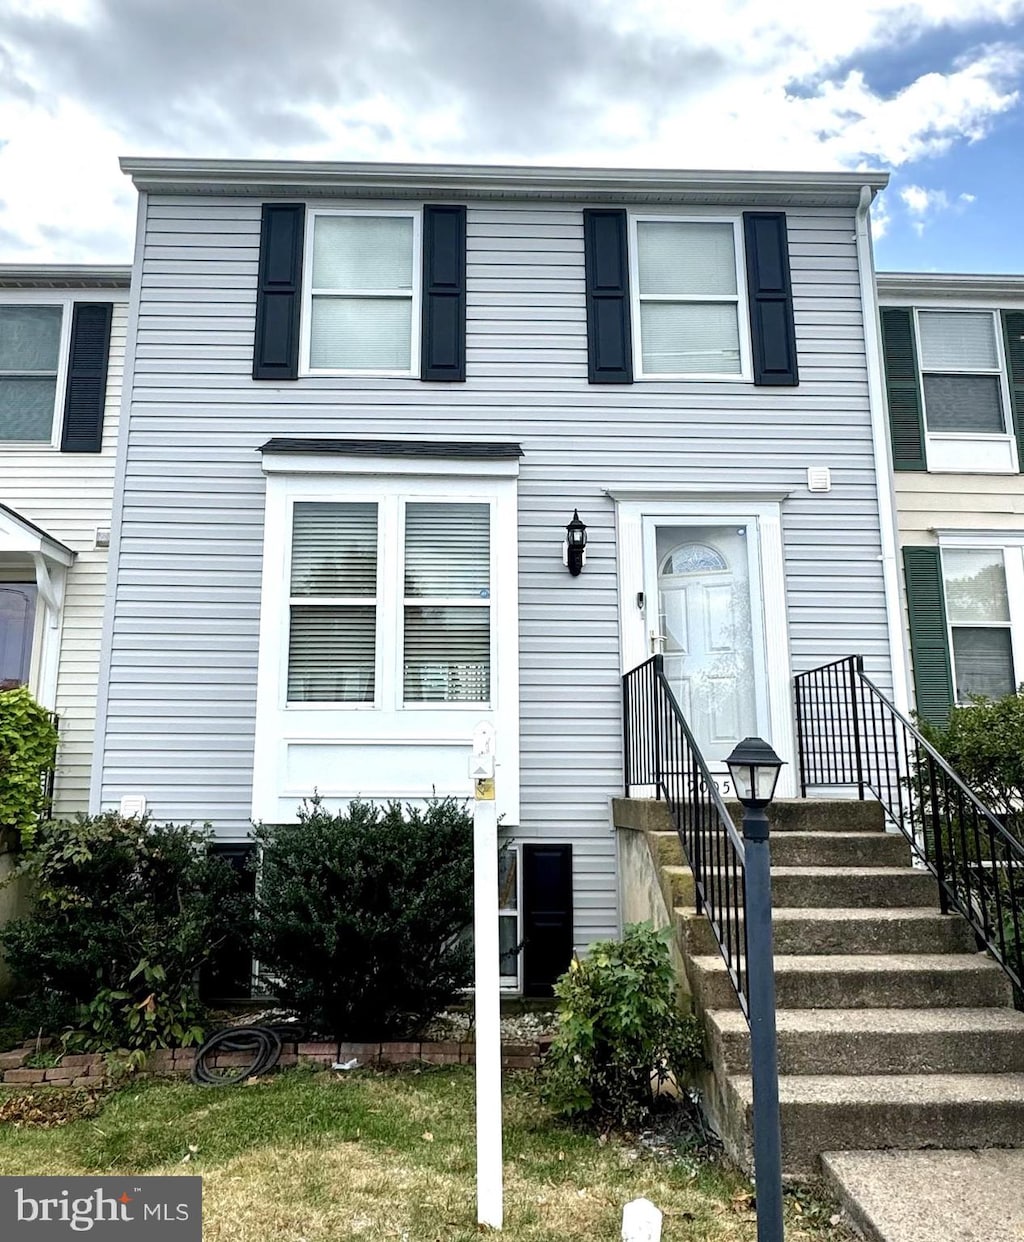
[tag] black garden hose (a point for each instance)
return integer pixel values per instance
(261, 1043)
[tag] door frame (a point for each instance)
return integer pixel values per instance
(763, 518)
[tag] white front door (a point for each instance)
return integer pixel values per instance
(702, 605)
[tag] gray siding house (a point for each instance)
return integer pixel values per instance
(362, 405)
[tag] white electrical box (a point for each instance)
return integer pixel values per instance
(133, 804)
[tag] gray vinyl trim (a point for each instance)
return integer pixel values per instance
(54, 276)
(120, 471)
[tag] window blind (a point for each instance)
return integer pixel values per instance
(694, 337)
(334, 549)
(362, 252)
(447, 550)
(366, 334)
(447, 655)
(686, 257)
(983, 660)
(957, 340)
(963, 403)
(29, 353)
(331, 653)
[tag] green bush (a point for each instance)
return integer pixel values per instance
(124, 913)
(28, 752)
(360, 915)
(984, 744)
(620, 1031)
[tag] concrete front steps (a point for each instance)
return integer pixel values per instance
(894, 1033)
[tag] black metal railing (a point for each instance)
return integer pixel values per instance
(849, 734)
(663, 760)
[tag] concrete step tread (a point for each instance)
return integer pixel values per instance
(885, 963)
(844, 914)
(888, 1090)
(879, 1021)
(932, 1196)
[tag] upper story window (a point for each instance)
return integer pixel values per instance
(30, 357)
(687, 288)
(962, 372)
(361, 293)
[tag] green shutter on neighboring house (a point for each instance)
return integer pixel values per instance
(903, 389)
(1013, 334)
(929, 643)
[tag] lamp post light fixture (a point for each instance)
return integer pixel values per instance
(574, 553)
(754, 768)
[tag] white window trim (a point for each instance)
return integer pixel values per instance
(284, 728)
(745, 373)
(768, 613)
(46, 297)
(507, 984)
(1011, 545)
(416, 298)
(995, 452)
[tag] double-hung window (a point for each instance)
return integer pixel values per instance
(963, 386)
(30, 356)
(687, 290)
(984, 589)
(442, 555)
(362, 293)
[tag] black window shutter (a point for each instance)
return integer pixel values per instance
(770, 298)
(547, 916)
(87, 378)
(1013, 333)
(929, 643)
(279, 292)
(903, 389)
(443, 353)
(609, 339)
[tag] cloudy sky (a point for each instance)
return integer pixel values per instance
(933, 91)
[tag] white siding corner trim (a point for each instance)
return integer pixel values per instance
(382, 748)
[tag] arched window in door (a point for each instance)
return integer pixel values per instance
(693, 558)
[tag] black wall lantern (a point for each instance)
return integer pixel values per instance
(574, 550)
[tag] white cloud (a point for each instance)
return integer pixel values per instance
(736, 84)
(923, 205)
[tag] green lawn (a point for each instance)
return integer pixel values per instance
(315, 1157)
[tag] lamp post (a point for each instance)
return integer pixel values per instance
(754, 768)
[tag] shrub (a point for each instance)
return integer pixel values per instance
(124, 913)
(621, 1032)
(28, 752)
(984, 744)
(361, 914)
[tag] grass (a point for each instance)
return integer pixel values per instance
(307, 1157)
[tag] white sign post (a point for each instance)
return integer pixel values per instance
(488, 1009)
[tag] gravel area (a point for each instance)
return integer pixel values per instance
(457, 1024)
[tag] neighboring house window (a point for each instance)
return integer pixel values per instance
(17, 625)
(981, 612)
(362, 293)
(30, 351)
(687, 286)
(961, 372)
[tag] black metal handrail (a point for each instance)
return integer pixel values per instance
(848, 733)
(662, 756)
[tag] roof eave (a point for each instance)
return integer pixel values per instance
(64, 276)
(317, 179)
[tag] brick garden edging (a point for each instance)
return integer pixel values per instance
(89, 1069)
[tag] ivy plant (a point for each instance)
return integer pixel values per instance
(28, 752)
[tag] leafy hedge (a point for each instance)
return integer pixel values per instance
(124, 913)
(28, 751)
(361, 915)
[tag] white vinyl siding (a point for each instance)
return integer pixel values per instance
(70, 495)
(182, 715)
